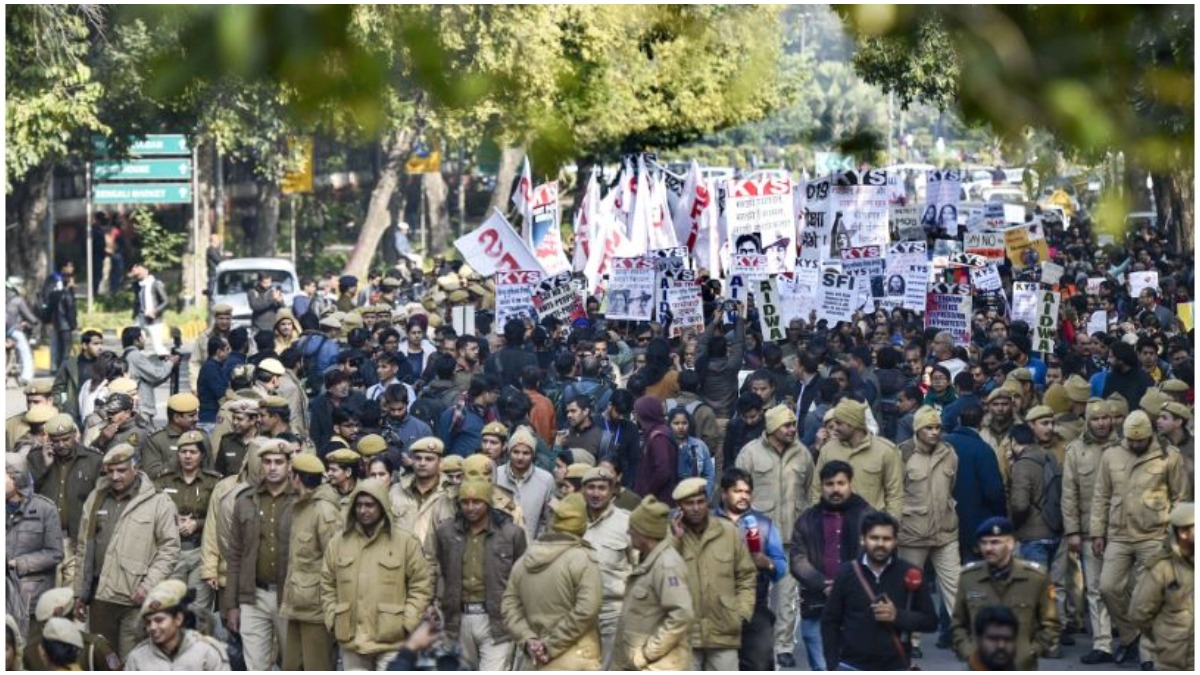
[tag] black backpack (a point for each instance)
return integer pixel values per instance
(1051, 502)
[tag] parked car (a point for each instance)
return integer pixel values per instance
(236, 276)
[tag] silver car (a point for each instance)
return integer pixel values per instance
(236, 276)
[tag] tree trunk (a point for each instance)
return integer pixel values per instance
(266, 234)
(396, 148)
(506, 177)
(437, 195)
(27, 243)
(1173, 198)
(195, 276)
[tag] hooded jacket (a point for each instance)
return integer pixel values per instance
(1163, 604)
(554, 595)
(719, 382)
(1079, 481)
(312, 521)
(1134, 494)
(214, 542)
(374, 588)
(722, 579)
(782, 481)
(656, 470)
(657, 615)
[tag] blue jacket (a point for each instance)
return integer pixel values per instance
(951, 412)
(465, 440)
(211, 386)
(772, 548)
(978, 487)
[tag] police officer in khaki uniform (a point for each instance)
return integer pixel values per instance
(1163, 601)
(120, 426)
(190, 486)
(158, 453)
(657, 614)
(128, 543)
(481, 466)
(1079, 484)
(344, 471)
(607, 532)
(996, 425)
(170, 646)
(418, 501)
(37, 392)
(878, 467)
(1001, 579)
(243, 428)
(1138, 482)
(97, 653)
(1172, 423)
(66, 476)
(35, 438)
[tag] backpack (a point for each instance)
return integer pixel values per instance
(598, 393)
(426, 409)
(314, 379)
(1051, 502)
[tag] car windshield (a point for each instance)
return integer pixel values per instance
(230, 282)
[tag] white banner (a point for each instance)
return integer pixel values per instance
(586, 217)
(495, 247)
(522, 198)
(837, 296)
(514, 297)
(942, 189)
(1097, 322)
(760, 218)
(948, 308)
(693, 206)
(1046, 330)
(1138, 281)
(630, 294)
(1051, 273)
(859, 208)
(1025, 302)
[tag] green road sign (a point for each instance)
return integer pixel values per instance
(144, 169)
(152, 144)
(142, 193)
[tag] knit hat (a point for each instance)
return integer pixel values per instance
(1152, 402)
(926, 416)
(852, 413)
(570, 515)
(1177, 409)
(1056, 399)
(1096, 407)
(1078, 390)
(1038, 412)
(1183, 515)
(478, 466)
(649, 519)
(689, 488)
(52, 601)
(779, 416)
(1119, 405)
(476, 488)
(523, 436)
(1137, 426)
(495, 429)
(58, 629)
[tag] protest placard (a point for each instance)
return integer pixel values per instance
(1138, 281)
(462, 317)
(993, 215)
(948, 307)
(760, 218)
(1024, 302)
(556, 296)
(1046, 330)
(1024, 248)
(1051, 273)
(906, 275)
(630, 294)
(1097, 322)
(836, 297)
(906, 221)
(1093, 285)
(942, 189)
(859, 203)
(752, 267)
(800, 299)
(681, 297)
(986, 278)
(546, 234)
(766, 298)
(1184, 311)
(494, 246)
(990, 245)
(514, 296)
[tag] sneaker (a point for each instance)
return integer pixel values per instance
(786, 660)
(1096, 656)
(1053, 653)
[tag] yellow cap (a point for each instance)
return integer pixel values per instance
(452, 464)
(1038, 412)
(343, 457)
(689, 487)
(371, 445)
(495, 429)
(183, 403)
(1137, 426)
(40, 414)
(570, 515)
(1056, 398)
(1152, 402)
(309, 464)
(926, 416)
(119, 454)
(650, 518)
(475, 488)
(430, 444)
(1078, 390)
(478, 465)
(122, 385)
(166, 595)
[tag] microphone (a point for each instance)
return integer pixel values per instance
(913, 579)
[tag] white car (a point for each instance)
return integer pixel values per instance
(236, 276)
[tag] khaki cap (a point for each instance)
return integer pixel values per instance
(61, 424)
(222, 309)
(244, 405)
(1174, 387)
(353, 320)
(166, 595)
(1038, 412)
(58, 629)
(478, 465)
(40, 414)
(119, 454)
(1021, 375)
(390, 282)
(1183, 515)
(272, 446)
(1078, 390)
(690, 488)
(599, 473)
(475, 488)
(308, 464)
(331, 321)
(998, 393)
(52, 601)
(1177, 409)
(273, 402)
(578, 470)
(495, 429)
(39, 387)
(123, 385)
(371, 445)
(430, 444)
(1137, 426)
(183, 403)
(272, 366)
(192, 437)
(458, 297)
(343, 457)
(452, 464)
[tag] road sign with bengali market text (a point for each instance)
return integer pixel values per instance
(142, 193)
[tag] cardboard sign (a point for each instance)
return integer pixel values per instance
(1024, 249)
(986, 278)
(750, 267)
(1046, 330)
(836, 297)
(1052, 273)
(630, 294)
(514, 296)
(1024, 302)
(494, 246)
(557, 297)
(1139, 281)
(682, 301)
(1097, 322)
(760, 218)
(769, 317)
(990, 245)
(948, 307)
(906, 221)
(942, 190)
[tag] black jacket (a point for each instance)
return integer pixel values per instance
(806, 554)
(849, 630)
(738, 434)
(507, 364)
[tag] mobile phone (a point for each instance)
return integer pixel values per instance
(883, 597)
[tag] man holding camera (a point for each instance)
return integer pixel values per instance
(264, 300)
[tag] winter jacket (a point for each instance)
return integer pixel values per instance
(737, 435)
(1163, 604)
(61, 301)
(929, 518)
(1135, 494)
(65, 391)
(33, 539)
(311, 522)
(608, 536)
(807, 550)
(196, 652)
(704, 419)
(320, 415)
(1025, 497)
(143, 549)
(1079, 482)
(212, 387)
(656, 470)
(721, 578)
(978, 484)
(463, 436)
(508, 363)
(878, 472)
(533, 493)
(719, 377)
(244, 534)
(374, 588)
(262, 308)
(951, 412)
(657, 617)
(17, 310)
(67, 483)
(554, 594)
(159, 300)
(420, 517)
(782, 481)
(149, 372)
(504, 544)
(1132, 385)
(160, 451)
(214, 542)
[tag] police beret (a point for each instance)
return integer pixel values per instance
(599, 473)
(192, 437)
(118, 403)
(123, 385)
(119, 454)
(343, 457)
(495, 429)
(183, 403)
(452, 464)
(689, 488)
(166, 595)
(371, 445)
(40, 414)
(995, 526)
(1152, 401)
(222, 309)
(1038, 412)
(273, 403)
(331, 321)
(1021, 375)
(39, 387)
(272, 446)
(1177, 409)
(428, 444)
(243, 405)
(52, 601)
(1174, 387)
(309, 464)
(272, 366)
(998, 393)
(578, 470)
(58, 629)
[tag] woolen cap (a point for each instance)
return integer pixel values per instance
(430, 444)
(1152, 402)
(475, 488)
(650, 518)
(570, 515)
(578, 470)
(1137, 426)
(523, 436)
(852, 413)
(1119, 405)
(927, 416)
(58, 629)
(779, 416)
(1056, 399)
(478, 465)
(371, 445)
(1078, 390)
(61, 424)
(689, 487)
(183, 403)
(119, 454)
(52, 601)
(308, 464)
(1038, 412)
(1174, 387)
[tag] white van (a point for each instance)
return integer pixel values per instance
(236, 276)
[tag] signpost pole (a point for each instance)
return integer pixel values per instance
(197, 245)
(88, 234)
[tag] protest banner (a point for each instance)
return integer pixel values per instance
(837, 296)
(1139, 281)
(986, 278)
(681, 300)
(863, 270)
(990, 245)
(766, 298)
(761, 220)
(1051, 273)
(587, 216)
(630, 294)
(1024, 301)
(942, 188)
(858, 202)
(1046, 329)
(816, 239)
(969, 260)
(752, 267)
(547, 242)
(906, 221)
(522, 199)
(1025, 247)
(1097, 322)
(906, 276)
(948, 307)
(1014, 214)
(514, 296)
(943, 251)
(556, 296)
(494, 247)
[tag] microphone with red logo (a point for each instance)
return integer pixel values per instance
(913, 580)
